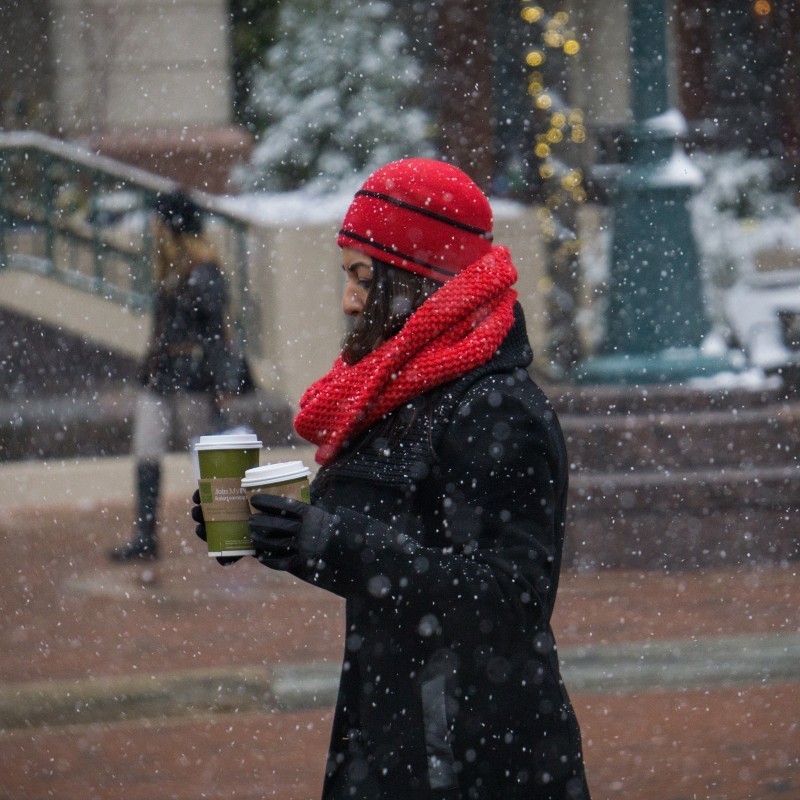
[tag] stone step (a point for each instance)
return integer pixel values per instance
(101, 424)
(63, 396)
(664, 508)
(603, 400)
(673, 477)
(684, 519)
(762, 436)
(727, 438)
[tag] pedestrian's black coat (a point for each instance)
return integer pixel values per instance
(446, 540)
(188, 350)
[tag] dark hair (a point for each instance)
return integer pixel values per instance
(394, 296)
(179, 212)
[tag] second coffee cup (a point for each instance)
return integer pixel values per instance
(287, 478)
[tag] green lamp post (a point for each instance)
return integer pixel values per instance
(656, 317)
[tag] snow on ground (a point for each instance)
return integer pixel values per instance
(741, 226)
(294, 208)
(289, 208)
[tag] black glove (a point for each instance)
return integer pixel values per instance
(200, 530)
(285, 530)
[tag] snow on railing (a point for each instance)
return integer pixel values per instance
(81, 218)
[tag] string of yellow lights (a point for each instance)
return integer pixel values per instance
(562, 124)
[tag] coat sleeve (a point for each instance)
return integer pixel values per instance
(209, 296)
(501, 510)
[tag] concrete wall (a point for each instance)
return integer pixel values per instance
(600, 80)
(295, 303)
(140, 64)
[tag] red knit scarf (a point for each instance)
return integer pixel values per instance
(456, 329)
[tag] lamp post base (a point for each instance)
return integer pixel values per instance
(668, 366)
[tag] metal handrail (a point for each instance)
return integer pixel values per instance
(80, 218)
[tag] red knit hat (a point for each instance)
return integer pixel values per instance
(420, 215)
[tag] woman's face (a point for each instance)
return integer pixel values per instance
(357, 268)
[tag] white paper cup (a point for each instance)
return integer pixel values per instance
(286, 478)
(224, 460)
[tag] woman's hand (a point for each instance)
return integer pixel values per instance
(285, 529)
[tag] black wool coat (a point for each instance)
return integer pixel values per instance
(187, 350)
(445, 540)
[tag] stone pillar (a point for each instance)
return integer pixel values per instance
(149, 82)
(464, 87)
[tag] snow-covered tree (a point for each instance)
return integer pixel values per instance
(337, 96)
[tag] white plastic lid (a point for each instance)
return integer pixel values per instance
(275, 473)
(228, 441)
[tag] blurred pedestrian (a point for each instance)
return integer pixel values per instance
(438, 513)
(186, 373)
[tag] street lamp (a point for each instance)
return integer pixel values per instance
(656, 317)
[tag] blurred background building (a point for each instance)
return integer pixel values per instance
(536, 100)
(147, 82)
(176, 77)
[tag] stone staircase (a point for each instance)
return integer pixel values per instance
(671, 477)
(62, 396)
(661, 477)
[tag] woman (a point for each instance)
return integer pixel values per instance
(184, 373)
(438, 511)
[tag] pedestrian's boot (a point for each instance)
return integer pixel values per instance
(143, 544)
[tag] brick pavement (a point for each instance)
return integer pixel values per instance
(724, 744)
(75, 622)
